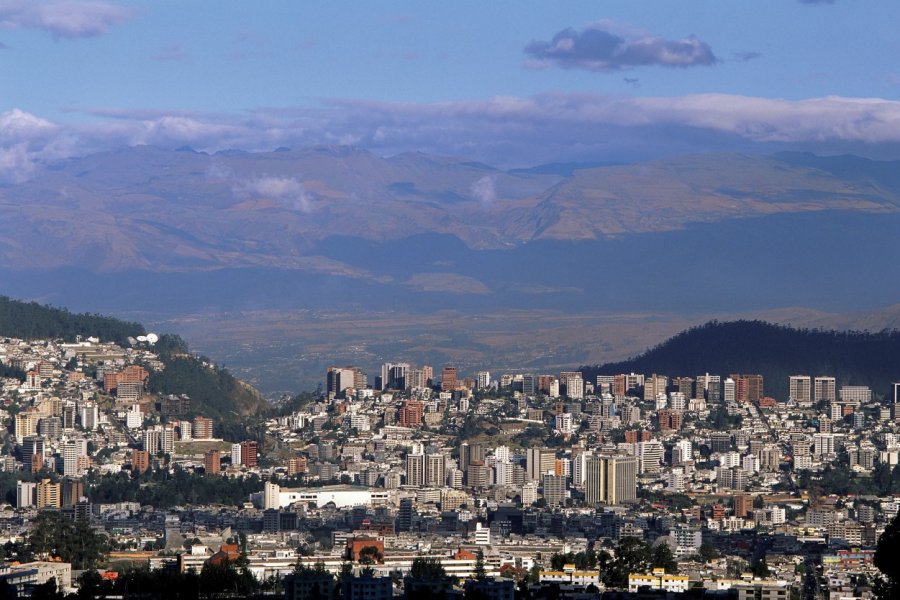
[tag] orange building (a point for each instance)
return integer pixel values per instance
(449, 379)
(412, 413)
(140, 461)
(249, 453)
(212, 462)
(355, 546)
(203, 428)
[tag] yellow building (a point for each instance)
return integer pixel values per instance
(48, 494)
(657, 580)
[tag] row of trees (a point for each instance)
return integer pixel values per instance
(162, 489)
(631, 555)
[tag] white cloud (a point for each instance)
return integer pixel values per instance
(287, 191)
(64, 19)
(484, 190)
(503, 131)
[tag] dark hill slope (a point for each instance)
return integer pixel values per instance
(31, 321)
(775, 351)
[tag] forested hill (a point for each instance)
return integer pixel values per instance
(31, 321)
(214, 391)
(775, 351)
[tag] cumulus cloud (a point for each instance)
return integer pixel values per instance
(24, 139)
(287, 191)
(64, 19)
(598, 47)
(484, 190)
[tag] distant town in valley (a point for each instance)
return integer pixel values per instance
(416, 478)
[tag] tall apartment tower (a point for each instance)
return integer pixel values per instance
(825, 389)
(799, 389)
(611, 479)
(415, 470)
(449, 379)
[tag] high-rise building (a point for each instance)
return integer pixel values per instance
(249, 453)
(70, 459)
(49, 494)
(33, 449)
(538, 462)
(730, 390)
(89, 415)
(405, 515)
(236, 454)
(748, 388)
(654, 386)
(449, 379)
(415, 470)
(151, 441)
(855, 394)
(411, 413)
(26, 494)
(799, 388)
(339, 379)
(554, 489)
(203, 428)
(140, 461)
(72, 492)
(825, 389)
(394, 376)
(483, 379)
(611, 479)
(434, 470)
(212, 462)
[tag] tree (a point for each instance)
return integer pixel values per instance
(663, 558)
(708, 552)
(761, 568)
(426, 568)
(480, 572)
(73, 541)
(888, 587)
(370, 555)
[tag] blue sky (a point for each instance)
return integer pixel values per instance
(511, 83)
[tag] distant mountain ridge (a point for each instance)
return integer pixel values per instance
(775, 351)
(178, 210)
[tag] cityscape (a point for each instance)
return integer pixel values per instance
(402, 300)
(511, 484)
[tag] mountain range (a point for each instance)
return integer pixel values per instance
(161, 235)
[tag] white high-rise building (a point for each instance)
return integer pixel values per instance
(682, 451)
(134, 418)
(730, 390)
(89, 415)
(25, 493)
(483, 379)
(651, 455)
(271, 495)
(70, 459)
(236, 454)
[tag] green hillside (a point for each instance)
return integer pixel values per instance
(214, 391)
(775, 351)
(31, 321)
